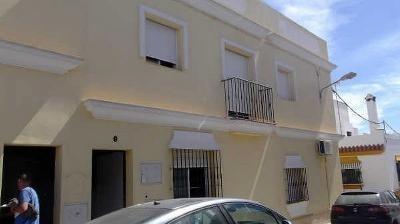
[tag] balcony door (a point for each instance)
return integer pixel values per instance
(237, 66)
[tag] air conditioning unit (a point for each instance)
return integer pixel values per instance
(324, 147)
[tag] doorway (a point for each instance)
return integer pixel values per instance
(197, 181)
(108, 181)
(38, 163)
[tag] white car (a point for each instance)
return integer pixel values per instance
(195, 211)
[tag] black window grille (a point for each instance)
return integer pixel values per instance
(297, 189)
(352, 176)
(196, 173)
(351, 173)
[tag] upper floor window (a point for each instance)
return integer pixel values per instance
(285, 83)
(236, 65)
(163, 39)
(238, 61)
(161, 44)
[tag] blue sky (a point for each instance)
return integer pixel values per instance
(363, 36)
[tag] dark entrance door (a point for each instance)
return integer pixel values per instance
(197, 182)
(108, 181)
(38, 162)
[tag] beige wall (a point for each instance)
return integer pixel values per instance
(114, 71)
(241, 157)
(39, 108)
(262, 14)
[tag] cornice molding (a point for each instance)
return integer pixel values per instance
(24, 56)
(236, 20)
(106, 110)
(298, 51)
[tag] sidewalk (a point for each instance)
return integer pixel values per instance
(313, 219)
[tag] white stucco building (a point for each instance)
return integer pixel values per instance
(369, 161)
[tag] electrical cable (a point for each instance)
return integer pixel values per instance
(374, 122)
(391, 128)
(355, 112)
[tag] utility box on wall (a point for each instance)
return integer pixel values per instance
(151, 173)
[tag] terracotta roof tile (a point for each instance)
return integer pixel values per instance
(378, 148)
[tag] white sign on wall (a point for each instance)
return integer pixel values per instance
(151, 173)
(75, 213)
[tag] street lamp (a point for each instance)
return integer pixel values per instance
(345, 77)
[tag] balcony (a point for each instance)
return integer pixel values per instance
(247, 100)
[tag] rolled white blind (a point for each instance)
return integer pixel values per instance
(193, 140)
(161, 42)
(236, 65)
(284, 86)
(294, 162)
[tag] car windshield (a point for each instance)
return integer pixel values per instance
(130, 216)
(358, 198)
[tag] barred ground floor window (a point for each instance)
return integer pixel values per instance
(296, 179)
(297, 189)
(196, 173)
(352, 176)
(351, 170)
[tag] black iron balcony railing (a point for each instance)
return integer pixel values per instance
(248, 100)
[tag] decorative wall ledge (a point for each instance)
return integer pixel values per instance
(20, 55)
(106, 110)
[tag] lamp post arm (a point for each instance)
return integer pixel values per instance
(320, 92)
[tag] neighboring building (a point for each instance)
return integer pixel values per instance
(113, 103)
(371, 161)
(343, 124)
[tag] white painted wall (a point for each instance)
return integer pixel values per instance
(379, 171)
(372, 113)
(343, 124)
(373, 168)
(366, 139)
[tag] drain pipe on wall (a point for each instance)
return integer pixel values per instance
(327, 182)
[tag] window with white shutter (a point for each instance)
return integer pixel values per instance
(163, 38)
(236, 65)
(285, 84)
(161, 44)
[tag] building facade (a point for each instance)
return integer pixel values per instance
(112, 103)
(369, 161)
